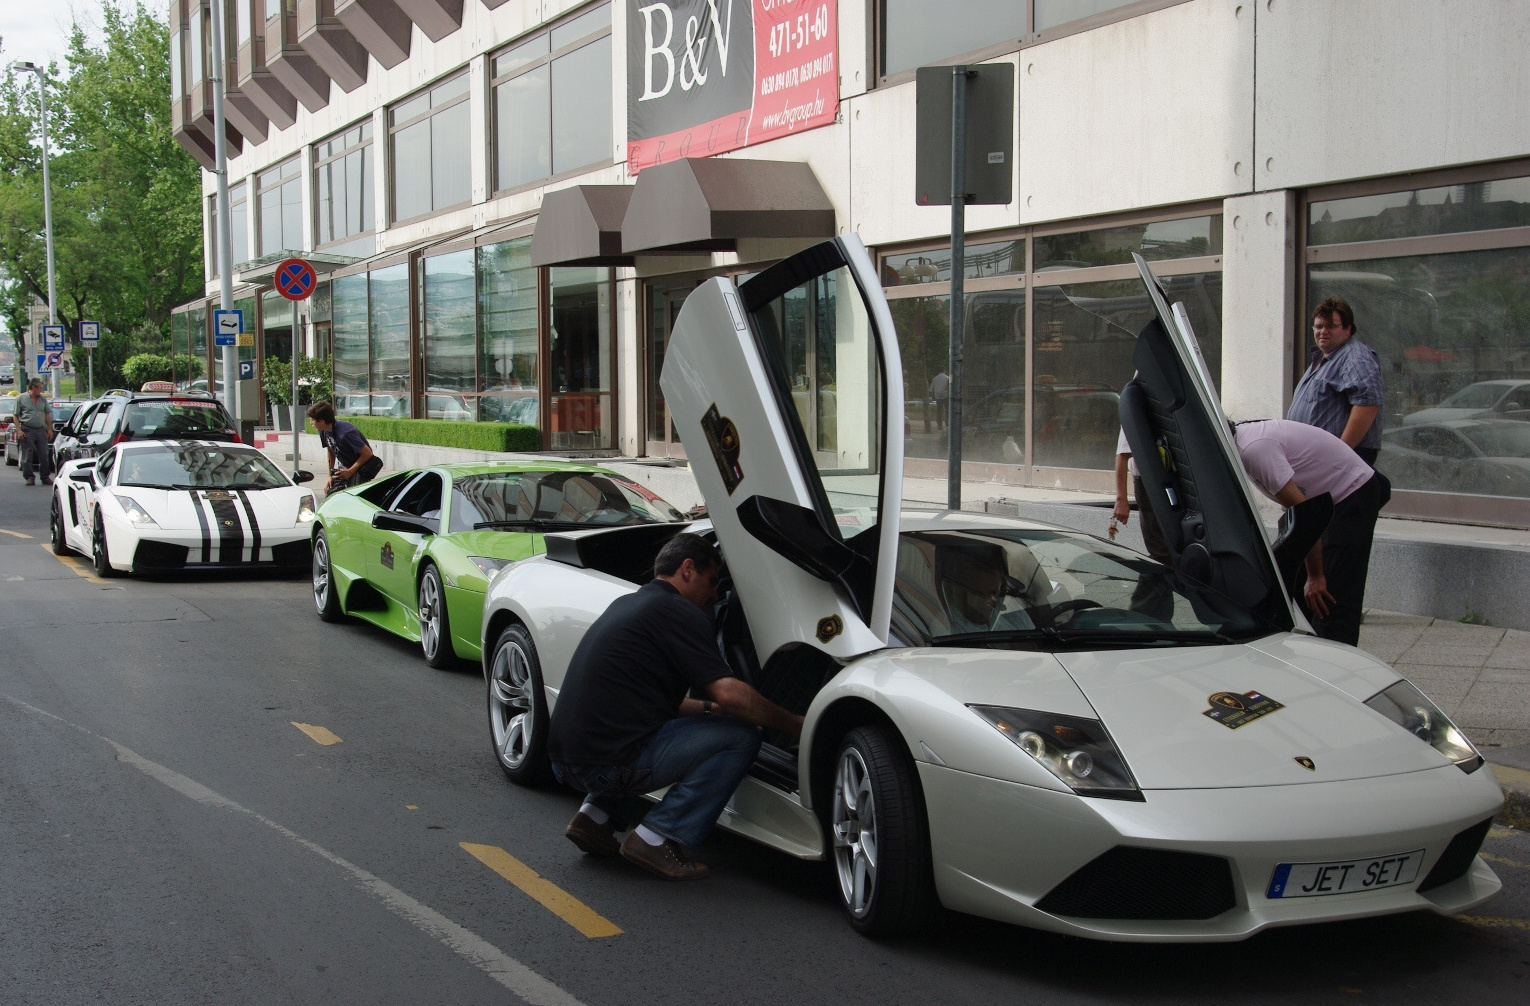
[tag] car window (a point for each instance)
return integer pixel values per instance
(575, 497)
(200, 466)
(1475, 396)
(104, 467)
(152, 419)
(422, 498)
(378, 493)
(1443, 443)
(100, 422)
(1037, 583)
(1501, 440)
(80, 420)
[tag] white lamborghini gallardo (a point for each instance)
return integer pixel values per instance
(160, 505)
(1019, 721)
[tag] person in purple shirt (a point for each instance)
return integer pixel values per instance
(1291, 462)
(1342, 388)
(347, 444)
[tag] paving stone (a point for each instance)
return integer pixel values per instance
(1427, 651)
(1377, 617)
(1489, 737)
(1500, 706)
(1506, 676)
(1512, 651)
(1460, 633)
(1448, 686)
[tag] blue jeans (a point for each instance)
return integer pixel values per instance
(702, 759)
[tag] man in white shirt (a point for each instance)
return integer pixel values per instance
(1291, 461)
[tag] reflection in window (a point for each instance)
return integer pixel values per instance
(429, 146)
(507, 361)
(919, 32)
(580, 359)
(343, 185)
(912, 268)
(1051, 13)
(449, 336)
(389, 315)
(1453, 335)
(1444, 209)
(349, 348)
(1166, 239)
(279, 200)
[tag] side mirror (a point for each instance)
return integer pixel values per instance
(82, 476)
(407, 523)
(303, 475)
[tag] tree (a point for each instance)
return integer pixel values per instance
(127, 223)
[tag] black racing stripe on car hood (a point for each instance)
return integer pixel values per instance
(249, 511)
(197, 505)
(230, 530)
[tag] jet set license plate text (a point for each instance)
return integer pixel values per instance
(1312, 880)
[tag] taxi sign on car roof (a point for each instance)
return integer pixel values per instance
(165, 386)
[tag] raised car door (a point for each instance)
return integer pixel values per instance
(787, 392)
(1190, 466)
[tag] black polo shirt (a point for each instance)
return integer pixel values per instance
(629, 675)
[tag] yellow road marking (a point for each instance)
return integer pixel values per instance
(410, 806)
(15, 534)
(76, 566)
(1496, 832)
(319, 735)
(551, 897)
(1502, 861)
(1491, 923)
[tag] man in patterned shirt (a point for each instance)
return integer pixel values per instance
(1341, 390)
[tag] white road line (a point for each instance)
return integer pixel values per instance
(503, 968)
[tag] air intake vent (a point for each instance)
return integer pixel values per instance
(1128, 883)
(1457, 857)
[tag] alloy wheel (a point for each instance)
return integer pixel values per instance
(855, 832)
(512, 697)
(430, 616)
(321, 573)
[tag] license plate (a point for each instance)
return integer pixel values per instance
(1313, 880)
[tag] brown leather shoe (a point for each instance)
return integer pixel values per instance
(593, 839)
(669, 860)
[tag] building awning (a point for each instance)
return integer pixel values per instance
(261, 270)
(708, 204)
(582, 225)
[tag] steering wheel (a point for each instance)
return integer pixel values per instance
(1076, 604)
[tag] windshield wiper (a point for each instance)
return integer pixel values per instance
(536, 523)
(998, 636)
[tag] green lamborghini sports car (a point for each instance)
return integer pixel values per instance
(414, 552)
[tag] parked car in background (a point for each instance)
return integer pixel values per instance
(1490, 457)
(1506, 399)
(7, 374)
(120, 416)
(63, 411)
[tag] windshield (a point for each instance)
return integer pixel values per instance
(164, 418)
(1037, 588)
(1500, 440)
(198, 466)
(561, 497)
(1476, 396)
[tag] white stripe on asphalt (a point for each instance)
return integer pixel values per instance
(497, 964)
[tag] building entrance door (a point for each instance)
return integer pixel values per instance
(662, 440)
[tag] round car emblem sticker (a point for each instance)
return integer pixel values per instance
(1227, 700)
(830, 627)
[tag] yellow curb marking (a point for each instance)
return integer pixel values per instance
(318, 735)
(15, 534)
(1500, 832)
(75, 565)
(551, 897)
(410, 806)
(1504, 862)
(1492, 923)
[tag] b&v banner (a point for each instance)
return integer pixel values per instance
(708, 76)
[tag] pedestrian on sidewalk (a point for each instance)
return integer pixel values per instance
(347, 444)
(33, 417)
(624, 726)
(1292, 461)
(1152, 596)
(940, 399)
(1341, 392)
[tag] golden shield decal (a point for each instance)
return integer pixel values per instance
(1306, 763)
(1233, 710)
(722, 438)
(830, 627)
(387, 555)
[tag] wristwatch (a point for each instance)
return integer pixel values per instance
(706, 706)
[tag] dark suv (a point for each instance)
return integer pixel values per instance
(120, 416)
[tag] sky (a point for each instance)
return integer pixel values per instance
(37, 31)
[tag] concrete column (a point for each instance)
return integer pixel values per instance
(480, 128)
(382, 174)
(629, 361)
(1258, 303)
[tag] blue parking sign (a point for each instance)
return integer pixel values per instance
(53, 338)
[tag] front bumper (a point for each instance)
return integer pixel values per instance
(1049, 837)
(148, 548)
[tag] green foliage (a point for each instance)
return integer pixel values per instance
(141, 367)
(493, 437)
(111, 354)
(126, 198)
(313, 381)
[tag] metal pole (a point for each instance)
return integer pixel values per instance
(42, 97)
(958, 268)
(225, 248)
(297, 422)
(90, 362)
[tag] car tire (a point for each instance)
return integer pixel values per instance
(56, 528)
(886, 885)
(517, 703)
(435, 624)
(13, 462)
(326, 598)
(99, 556)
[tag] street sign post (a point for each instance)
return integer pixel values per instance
(47, 362)
(53, 338)
(295, 280)
(227, 326)
(90, 334)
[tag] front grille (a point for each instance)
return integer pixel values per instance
(1457, 857)
(158, 555)
(1130, 883)
(292, 553)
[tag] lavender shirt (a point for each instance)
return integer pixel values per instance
(1277, 451)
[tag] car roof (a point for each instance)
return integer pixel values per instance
(133, 445)
(498, 467)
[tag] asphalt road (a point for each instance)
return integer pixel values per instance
(168, 835)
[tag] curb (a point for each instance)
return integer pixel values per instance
(1515, 783)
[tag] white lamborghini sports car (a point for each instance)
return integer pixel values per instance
(158, 505)
(1015, 720)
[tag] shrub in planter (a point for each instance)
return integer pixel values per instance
(313, 381)
(489, 437)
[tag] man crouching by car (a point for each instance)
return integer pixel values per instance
(623, 725)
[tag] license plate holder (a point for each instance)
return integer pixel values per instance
(1349, 876)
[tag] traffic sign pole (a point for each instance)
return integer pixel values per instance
(90, 334)
(295, 280)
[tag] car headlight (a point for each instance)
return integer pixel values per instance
(131, 509)
(305, 509)
(1078, 751)
(487, 566)
(1410, 709)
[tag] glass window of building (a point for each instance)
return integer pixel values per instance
(581, 409)
(388, 313)
(428, 137)
(177, 67)
(1051, 13)
(1047, 348)
(552, 101)
(450, 301)
(349, 345)
(508, 332)
(919, 32)
(342, 186)
(1449, 320)
(279, 204)
(196, 37)
(239, 231)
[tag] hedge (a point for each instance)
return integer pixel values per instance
(493, 437)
